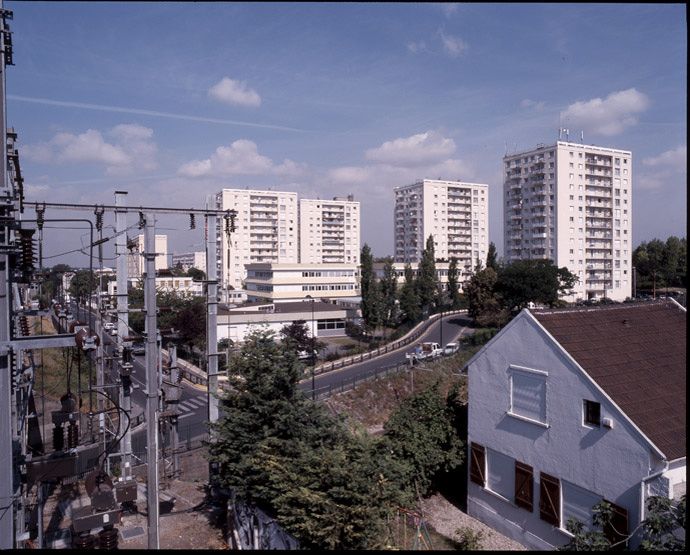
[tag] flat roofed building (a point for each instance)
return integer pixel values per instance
(135, 260)
(290, 282)
(329, 231)
(187, 260)
(454, 212)
(572, 203)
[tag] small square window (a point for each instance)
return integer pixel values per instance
(592, 413)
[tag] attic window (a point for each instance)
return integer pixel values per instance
(591, 413)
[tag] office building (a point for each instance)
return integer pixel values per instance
(572, 203)
(454, 212)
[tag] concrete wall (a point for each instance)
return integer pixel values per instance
(609, 463)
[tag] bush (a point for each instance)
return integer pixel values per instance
(469, 540)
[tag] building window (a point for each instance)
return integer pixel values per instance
(477, 464)
(528, 395)
(500, 474)
(616, 529)
(591, 413)
(524, 485)
(549, 499)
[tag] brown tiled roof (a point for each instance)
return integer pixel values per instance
(636, 353)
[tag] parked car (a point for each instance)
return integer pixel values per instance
(425, 351)
(451, 348)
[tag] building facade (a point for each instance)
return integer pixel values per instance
(292, 282)
(567, 408)
(266, 230)
(441, 273)
(329, 231)
(572, 203)
(135, 260)
(187, 260)
(454, 212)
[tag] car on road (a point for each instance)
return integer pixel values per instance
(108, 326)
(451, 348)
(138, 348)
(425, 351)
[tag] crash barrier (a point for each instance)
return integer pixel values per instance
(408, 338)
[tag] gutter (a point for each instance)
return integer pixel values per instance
(642, 485)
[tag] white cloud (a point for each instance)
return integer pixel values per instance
(454, 46)
(449, 9)
(234, 92)
(415, 47)
(132, 149)
(609, 116)
(669, 170)
(675, 159)
(240, 158)
(417, 150)
(535, 105)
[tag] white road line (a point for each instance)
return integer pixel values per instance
(188, 406)
(195, 402)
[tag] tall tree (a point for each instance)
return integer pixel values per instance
(83, 285)
(483, 304)
(409, 302)
(371, 305)
(453, 283)
(491, 257)
(648, 259)
(427, 281)
(388, 288)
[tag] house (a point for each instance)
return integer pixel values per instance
(571, 406)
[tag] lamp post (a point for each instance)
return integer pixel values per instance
(312, 345)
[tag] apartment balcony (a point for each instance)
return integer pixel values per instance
(603, 192)
(604, 163)
(590, 171)
(599, 214)
(598, 205)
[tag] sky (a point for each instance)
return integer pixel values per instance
(175, 101)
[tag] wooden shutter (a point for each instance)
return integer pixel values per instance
(549, 499)
(524, 485)
(477, 464)
(617, 529)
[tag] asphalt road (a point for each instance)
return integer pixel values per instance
(443, 331)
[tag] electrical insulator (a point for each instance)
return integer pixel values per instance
(26, 245)
(99, 217)
(142, 220)
(107, 538)
(84, 541)
(72, 435)
(192, 223)
(39, 215)
(126, 355)
(58, 438)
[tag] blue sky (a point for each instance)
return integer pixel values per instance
(173, 101)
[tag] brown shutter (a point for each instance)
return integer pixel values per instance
(477, 464)
(617, 529)
(524, 485)
(549, 499)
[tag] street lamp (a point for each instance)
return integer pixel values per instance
(312, 347)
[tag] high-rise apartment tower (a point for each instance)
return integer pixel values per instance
(329, 231)
(572, 203)
(454, 212)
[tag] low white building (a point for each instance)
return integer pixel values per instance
(322, 319)
(187, 260)
(569, 407)
(182, 285)
(441, 272)
(292, 282)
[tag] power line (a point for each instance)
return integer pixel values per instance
(128, 209)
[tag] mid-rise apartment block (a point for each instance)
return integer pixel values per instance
(187, 260)
(266, 230)
(572, 203)
(135, 260)
(454, 212)
(329, 231)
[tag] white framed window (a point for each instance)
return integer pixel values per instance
(500, 475)
(528, 394)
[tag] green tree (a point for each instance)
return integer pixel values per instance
(648, 259)
(196, 274)
(371, 297)
(453, 284)
(409, 302)
(421, 434)
(483, 304)
(83, 285)
(427, 281)
(533, 281)
(491, 257)
(388, 289)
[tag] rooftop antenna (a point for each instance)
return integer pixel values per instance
(582, 137)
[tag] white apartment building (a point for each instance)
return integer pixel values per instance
(292, 282)
(266, 230)
(135, 261)
(572, 203)
(454, 212)
(329, 231)
(184, 286)
(188, 260)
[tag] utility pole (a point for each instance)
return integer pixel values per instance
(174, 437)
(212, 328)
(152, 389)
(123, 328)
(7, 508)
